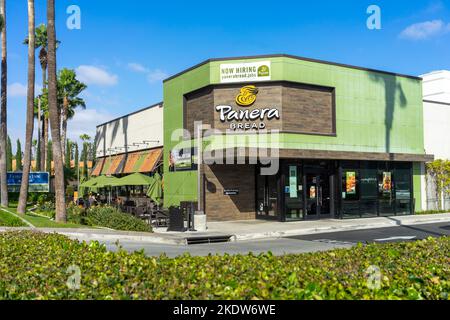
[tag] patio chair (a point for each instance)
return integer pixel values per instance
(160, 218)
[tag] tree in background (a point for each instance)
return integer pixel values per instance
(53, 110)
(68, 155)
(34, 145)
(49, 157)
(76, 158)
(23, 197)
(19, 165)
(69, 89)
(85, 154)
(3, 109)
(41, 42)
(93, 150)
(439, 171)
(9, 156)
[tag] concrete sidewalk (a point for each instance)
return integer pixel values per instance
(259, 229)
(247, 230)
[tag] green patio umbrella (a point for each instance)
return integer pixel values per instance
(104, 181)
(88, 185)
(135, 179)
(154, 191)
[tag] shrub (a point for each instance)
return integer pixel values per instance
(112, 218)
(76, 214)
(432, 212)
(35, 266)
(8, 220)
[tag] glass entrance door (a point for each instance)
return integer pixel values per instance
(317, 195)
(267, 197)
(293, 192)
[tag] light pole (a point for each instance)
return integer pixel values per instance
(200, 127)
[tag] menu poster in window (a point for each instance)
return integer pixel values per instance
(293, 182)
(181, 159)
(312, 192)
(350, 182)
(387, 182)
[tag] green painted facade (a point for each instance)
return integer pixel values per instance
(375, 112)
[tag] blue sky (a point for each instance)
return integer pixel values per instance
(124, 51)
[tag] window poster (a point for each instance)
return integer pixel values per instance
(312, 192)
(350, 182)
(387, 182)
(293, 182)
(181, 159)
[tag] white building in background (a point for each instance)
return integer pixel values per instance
(131, 143)
(140, 130)
(436, 108)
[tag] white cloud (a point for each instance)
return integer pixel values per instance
(156, 76)
(96, 76)
(425, 30)
(17, 90)
(85, 122)
(136, 67)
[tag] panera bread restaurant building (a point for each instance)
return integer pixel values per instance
(348, 141)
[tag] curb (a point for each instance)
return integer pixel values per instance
(181, 239)
(300, 232)
(120, 237)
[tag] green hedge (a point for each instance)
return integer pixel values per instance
(112, 218)
(432, 212)
(35, 266)
(8, 220)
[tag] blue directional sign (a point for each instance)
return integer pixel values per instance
(39, 181)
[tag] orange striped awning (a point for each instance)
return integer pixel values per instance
(116, 165)
(151, 160)
(131, 160)
(98, 167)
(140, 161)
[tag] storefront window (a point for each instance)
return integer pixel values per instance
(368, 188)
(403, 188)
(385, 190)
(371, 188)
(350, 189)
(293, 192)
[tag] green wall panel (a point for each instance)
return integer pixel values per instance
(375, 112)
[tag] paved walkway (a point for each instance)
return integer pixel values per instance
(259, 229)
(248, 230)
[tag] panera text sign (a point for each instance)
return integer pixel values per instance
(243, 117)
(242, 72)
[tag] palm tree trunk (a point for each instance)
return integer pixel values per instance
(42, 140)
(64, 125)
(45, 138)
(22, 207)
(3, 116)
(54, 115)
(39, 141)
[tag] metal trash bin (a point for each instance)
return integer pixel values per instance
(176, 220)
(188, 210)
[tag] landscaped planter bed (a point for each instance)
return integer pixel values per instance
(37, 266)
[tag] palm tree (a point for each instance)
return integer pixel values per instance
(41, 108)
(85, 153)
(60, 200)
(69, 89)
(3, 116)
(41, 42)
(22, 206)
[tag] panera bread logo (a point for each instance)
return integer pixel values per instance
(247, 119)
(263, 71)
(247, 96)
